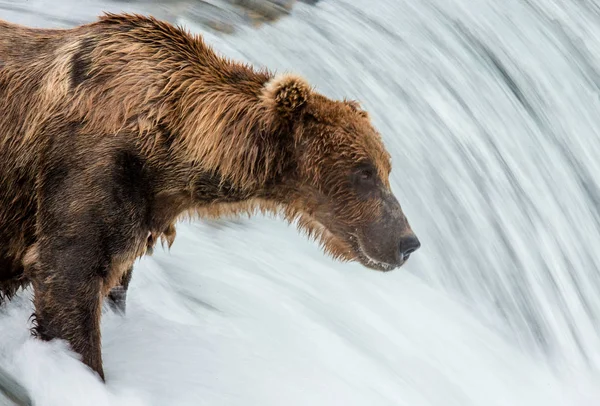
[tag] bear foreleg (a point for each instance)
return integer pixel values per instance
(67, 299)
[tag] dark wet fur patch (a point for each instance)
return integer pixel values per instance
(81, 62)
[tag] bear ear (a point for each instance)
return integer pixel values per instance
(286, 94)
(355, 106)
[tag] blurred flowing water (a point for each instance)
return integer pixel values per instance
(491, 112)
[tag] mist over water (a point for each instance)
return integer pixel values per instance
(491, 113)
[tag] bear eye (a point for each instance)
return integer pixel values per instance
(364, 177)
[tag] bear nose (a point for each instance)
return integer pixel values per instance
(408, 245)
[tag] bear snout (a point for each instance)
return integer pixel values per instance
(408, 244)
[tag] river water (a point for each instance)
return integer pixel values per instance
(490, 111)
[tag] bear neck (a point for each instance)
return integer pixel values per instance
(230, 135)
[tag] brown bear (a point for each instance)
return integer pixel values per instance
(111, 131)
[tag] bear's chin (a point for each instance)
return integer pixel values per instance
(345, 246)
(377, 265)
(369, 261)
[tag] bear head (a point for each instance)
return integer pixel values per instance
(336, 185)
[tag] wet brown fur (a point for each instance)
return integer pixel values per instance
(112, 131)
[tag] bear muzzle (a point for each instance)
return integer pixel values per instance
(388, 242)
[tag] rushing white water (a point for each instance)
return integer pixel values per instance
(490, 112)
